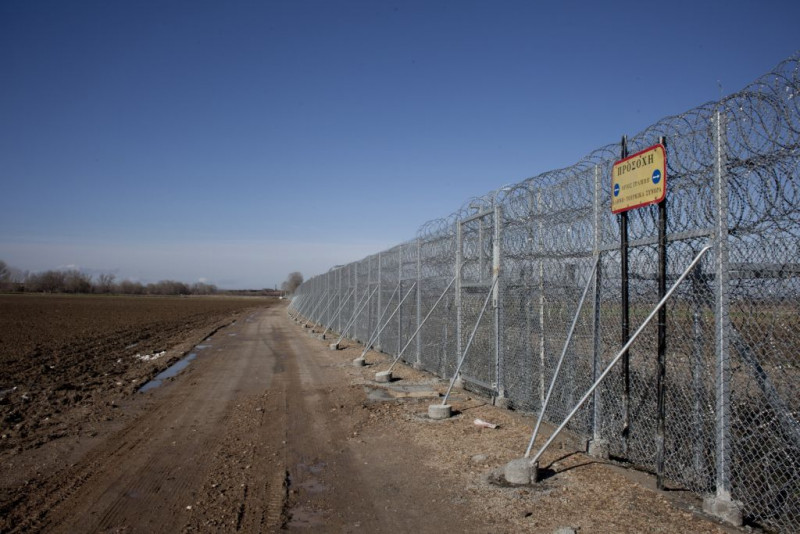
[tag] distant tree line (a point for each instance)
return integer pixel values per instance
(292, 282)
(75, 281)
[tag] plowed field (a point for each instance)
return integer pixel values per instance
(67, 361)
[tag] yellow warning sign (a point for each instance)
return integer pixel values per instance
(639, 180)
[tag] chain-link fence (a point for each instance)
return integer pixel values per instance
(733, 345)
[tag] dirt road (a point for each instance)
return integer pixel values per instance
(267, 430)
(254, 434)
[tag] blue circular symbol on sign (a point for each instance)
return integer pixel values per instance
(616, 190)
(656, 176)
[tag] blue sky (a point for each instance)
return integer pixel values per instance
(234, 142)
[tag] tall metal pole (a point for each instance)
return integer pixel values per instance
(354, 328)
(481, 261)
(542, 355)
(325, 317)
(400, 311)
(339, 278)
(722, 317)
(369, 286)
(528, 279)
(496, 271)
(597, 338)
(380, 297)
(662, 335)
(419, 302)
(459, 261)
(355, 284)
(626, 377)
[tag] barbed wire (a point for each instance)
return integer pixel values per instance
(732, 396)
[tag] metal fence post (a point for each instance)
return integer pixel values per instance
(400, 311)
(459, 260)
(542, 357)
(722, 504)
(324, 285)
(339, 285)
(496, 273)
(331, 280)
(355, 284)
(380, 299)
(598, 446)
(368, 319)
(481, 260)
(625, 316)
(354, 328)
(662, 340)
(419, 302)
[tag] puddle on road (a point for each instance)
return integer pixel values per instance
(169, 372)
(175, 368)
(306, 515)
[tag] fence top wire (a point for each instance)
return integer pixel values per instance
(762, 123)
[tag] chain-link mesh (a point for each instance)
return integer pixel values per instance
(436, 339)
(731, 381)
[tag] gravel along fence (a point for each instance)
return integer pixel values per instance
(714, 407)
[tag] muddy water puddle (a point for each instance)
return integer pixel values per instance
(173, 370)
(305, 515)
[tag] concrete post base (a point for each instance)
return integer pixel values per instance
(458, 383)
(440, 411)
(599, 449)
(502, 402)
(724, 508)
(334, 346)
(521, 472)
(417, 366)
(359, 362)
(383, 376)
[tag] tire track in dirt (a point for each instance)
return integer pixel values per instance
(244, 487)
(346, 475)
(145, 478)
(264, 506)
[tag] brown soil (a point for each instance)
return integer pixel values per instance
(268, 430)
(68, 360)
